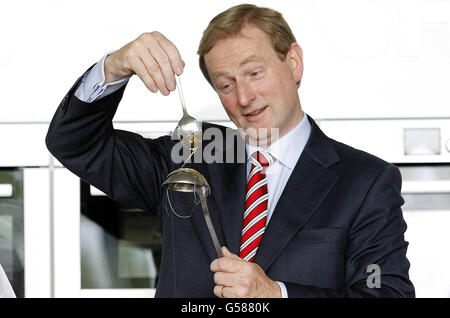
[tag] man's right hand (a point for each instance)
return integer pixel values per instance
(152, 57)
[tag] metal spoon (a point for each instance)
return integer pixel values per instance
(189, 129)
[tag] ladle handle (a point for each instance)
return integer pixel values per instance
(209, 224)
(180, 93)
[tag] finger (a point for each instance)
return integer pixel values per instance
(139, 68)
(227, 264)
(172, 52)
(163, 61)
(155, 72)
(220, 291)
(225, 279)
(227, 253)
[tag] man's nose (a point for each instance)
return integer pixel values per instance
(246, 93)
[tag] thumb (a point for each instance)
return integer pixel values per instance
(227, 253)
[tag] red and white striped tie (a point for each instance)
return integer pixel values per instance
(255, 205)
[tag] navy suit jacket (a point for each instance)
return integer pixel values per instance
(339, 213)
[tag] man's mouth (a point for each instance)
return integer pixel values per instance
(256, 112)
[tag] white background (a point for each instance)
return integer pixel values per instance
(363, 59)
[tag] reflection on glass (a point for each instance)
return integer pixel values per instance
(422, 141)
(11, 229)
(6, 246)
(120, 245)
(425, 173)
(136, 262)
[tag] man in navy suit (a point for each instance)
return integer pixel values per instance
(333, 225)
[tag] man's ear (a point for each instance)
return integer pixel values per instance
(295, 59)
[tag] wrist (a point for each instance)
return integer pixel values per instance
(109, 68)
(276, 290)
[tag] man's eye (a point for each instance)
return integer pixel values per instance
(257, 74)
(226, 88)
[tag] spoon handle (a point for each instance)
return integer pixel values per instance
(209, 224)
(180, 93)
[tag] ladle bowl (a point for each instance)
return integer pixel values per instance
(186, 180)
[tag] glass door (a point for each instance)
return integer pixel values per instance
(101, 248)
(11, 228)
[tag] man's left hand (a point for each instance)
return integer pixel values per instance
(235, 277)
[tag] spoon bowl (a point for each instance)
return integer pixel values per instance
(189, 129)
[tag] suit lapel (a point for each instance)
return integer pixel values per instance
(308, 185)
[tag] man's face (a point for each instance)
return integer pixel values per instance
(256, 88)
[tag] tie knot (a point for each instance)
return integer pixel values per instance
(263, 158)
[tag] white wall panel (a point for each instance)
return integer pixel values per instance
(23, 145)
(362, 58)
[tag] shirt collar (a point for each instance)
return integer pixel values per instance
(287, 149)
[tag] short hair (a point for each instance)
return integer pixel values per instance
(231, 22)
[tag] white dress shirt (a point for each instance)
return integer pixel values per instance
(287, 150)
(91, 87)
